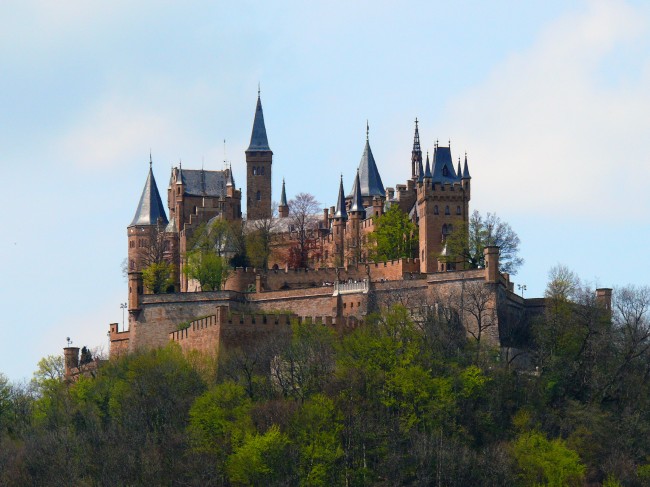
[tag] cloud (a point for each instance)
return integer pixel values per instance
(556, 126)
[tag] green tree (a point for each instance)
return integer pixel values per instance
(544, 462)
(261, 459)
(208, 268)
(468, 241)
(394, 236)
(158, 277)
(317, 428)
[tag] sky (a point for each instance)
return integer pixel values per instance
(548, 98)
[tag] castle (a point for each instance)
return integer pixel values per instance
(340, 286)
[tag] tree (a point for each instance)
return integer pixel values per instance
(468, 241)
(258, 239)
(158, 277)
(394, 236)
(477, 300)
(208, 268)
(563, 284)
(303, 223)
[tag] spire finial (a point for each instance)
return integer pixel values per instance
(367, 129)
(150, 161)
(258, 89)
(416, 122)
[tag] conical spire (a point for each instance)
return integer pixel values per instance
(259, 141)
(427, 169)
(369, 177)
(458, 173)
(420, 171)
(231, 178)
(340, 203)
(416, 140)
(283, 196)
(150, 207)
(357, 201)
(466, 169)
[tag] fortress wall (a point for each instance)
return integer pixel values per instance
(161, 314)
(119, 341)
(303, 302)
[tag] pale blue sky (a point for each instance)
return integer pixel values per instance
(548, 98)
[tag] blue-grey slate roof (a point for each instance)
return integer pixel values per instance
(369, 177)
(443, 167)
(340, 203)
(357, 200)
(283, 196)
(150, 207)
(199, 182)
(259, 141)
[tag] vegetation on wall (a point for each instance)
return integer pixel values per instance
(394, 237)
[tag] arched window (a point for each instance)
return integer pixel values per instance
(258, 196)
(447, 212)
(254, 171)
(445, 171)
(435, 210)
(262, 170)
(458, 210)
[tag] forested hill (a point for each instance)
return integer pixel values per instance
(394, 402)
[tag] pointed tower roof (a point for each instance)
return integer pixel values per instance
(466, 169)
(231, 178)
(369, 177)
(458, 173)
(259, 141)
(416, 140)
(340, 203)
(150, 207)
(427, 170)
(283, 196)
(443, 166)
(357, 200)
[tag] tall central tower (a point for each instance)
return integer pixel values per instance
(259, 159)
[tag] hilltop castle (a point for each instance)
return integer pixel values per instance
(340, 286)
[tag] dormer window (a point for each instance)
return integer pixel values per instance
(445, 171)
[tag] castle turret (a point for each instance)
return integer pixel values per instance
(356, 214)
(338, 227)
(466, 180)
(230, 183)
(443, 204)
(149, 215)
(283, 207)
(71, 361)
(259, 159)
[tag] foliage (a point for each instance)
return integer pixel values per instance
(394, 236)
(544, 462)
(400, 400)
(208, 268)
(158, 277)
(468, 241)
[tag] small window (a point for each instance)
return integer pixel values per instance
(258, 196)
(254, 171)
(447, 212)
(435, 210)
(445, 171)
(458, 210)
(262, 170)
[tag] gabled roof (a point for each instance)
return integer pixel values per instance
(443, 167)
(357, 201)
(340, 203)
(259, 141)
(150, 207)
(369, 177)
(199, 182)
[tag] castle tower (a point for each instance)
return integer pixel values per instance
(230, 184)
(416, 155)
(149, 216)
(259, 159)
(338, 227)
(443, 203)
(357, 214)
(370, 182)
(283, 207)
